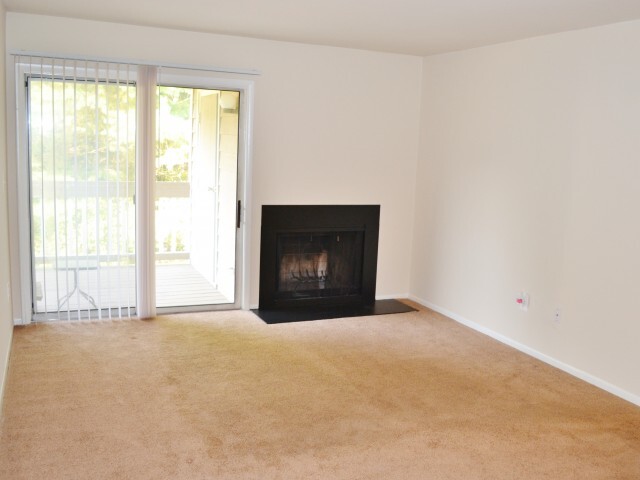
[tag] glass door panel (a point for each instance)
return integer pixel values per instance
(81, 146)
(196, 191)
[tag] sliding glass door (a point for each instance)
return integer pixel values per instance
(81, 131)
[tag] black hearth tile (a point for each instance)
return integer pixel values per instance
(380, 307)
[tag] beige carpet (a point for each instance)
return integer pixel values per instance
(224, 396)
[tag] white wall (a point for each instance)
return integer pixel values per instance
(331, 125)
(6, 318)
(529, 178)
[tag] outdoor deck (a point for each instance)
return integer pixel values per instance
(176, 285)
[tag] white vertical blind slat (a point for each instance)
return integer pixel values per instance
(131, 157)
(64, 166)
(97, 184)
(86, 179)
(126, 234)
(43, 228)
(108, 199)
(117, 202)
(76, 175)
(55, 193)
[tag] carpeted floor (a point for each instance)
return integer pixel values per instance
(225, 396)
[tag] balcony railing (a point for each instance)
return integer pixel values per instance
(70, 283)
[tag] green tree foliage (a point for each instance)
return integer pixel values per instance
(177, 173)
(82, 130)
(82, 144)
(178, 99)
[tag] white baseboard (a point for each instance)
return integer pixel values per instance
(392, 297)
(582, 375)
(6, 370)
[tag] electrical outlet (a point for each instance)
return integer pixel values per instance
(522, 299)
(557, 316)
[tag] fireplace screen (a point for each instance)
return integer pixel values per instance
(319, 264)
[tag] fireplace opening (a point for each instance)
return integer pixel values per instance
(319, 264)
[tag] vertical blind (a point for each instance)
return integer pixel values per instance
(81, 129)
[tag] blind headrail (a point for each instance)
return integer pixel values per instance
(88, 58)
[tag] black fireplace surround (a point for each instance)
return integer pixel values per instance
(318, 255)
(320, 261)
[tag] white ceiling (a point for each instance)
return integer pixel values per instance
(418, 27)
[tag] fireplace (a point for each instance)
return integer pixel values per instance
(318, 255)
(319, 261)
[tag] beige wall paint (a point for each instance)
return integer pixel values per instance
(528, 178)
(331, 125)
(6, 318)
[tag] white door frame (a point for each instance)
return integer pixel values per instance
(212, 81)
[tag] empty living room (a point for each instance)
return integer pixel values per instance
(319, 240)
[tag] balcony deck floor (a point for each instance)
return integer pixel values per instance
(176, 285)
